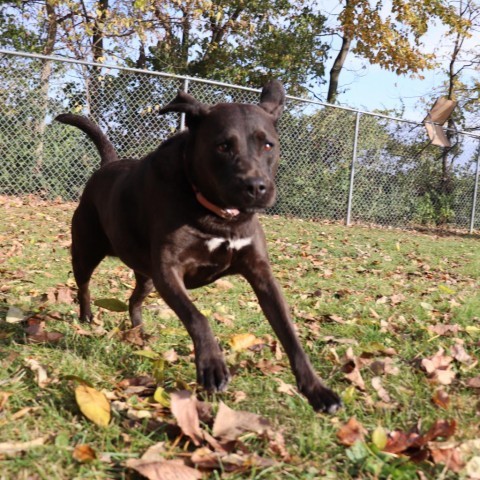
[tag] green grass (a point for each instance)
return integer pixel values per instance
(339, 283)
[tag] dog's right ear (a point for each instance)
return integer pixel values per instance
(185, 103)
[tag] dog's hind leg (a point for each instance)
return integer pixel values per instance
(142, 288)
(89, 248)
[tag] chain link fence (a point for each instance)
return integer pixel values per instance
(336, 163)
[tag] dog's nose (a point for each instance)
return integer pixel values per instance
(256, 187)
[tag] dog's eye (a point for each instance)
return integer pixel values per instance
(267, 146)
(223, 147)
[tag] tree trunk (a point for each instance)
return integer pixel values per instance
(45, 73)
(337, 68)
(98, 36)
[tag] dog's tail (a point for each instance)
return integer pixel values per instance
(105, 148)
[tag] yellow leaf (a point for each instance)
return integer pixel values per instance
(162, 397)
(242, 341)
(472, 330)
(379, 438)
(93, 404)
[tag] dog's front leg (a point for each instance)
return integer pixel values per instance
(258, 273)
(212, 371)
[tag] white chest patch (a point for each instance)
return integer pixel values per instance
(236, 244)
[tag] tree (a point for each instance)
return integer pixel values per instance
(391, 40)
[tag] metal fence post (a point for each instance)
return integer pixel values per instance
(475, 192)
(182, 115)
(352, 170)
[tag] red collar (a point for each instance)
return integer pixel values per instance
(225, 213)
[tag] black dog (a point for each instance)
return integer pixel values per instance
(184, 216)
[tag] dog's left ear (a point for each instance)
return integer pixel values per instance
(185, 103)
(272, 98)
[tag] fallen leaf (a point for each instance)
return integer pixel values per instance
(223, 284)
(441, 399)
(286, 388)
(474, 382)
(93, 404)
(41, 376)
(440, 429)
(112, 304)
(443, 329)
(84, 453)
(382, 393)
(184, 408)
(351, 432)
(379, 437)
(239, 396)
(205, 458)
(14, 315)
(448, 456)
(171, 356)
(351, 370)
(242, 341)
(438, 367)
(134, 336)
(472, 468)
(64, 295)
(398, 441)
(460, 355)
(12, 448)
(162, 397)
(267, 367)
(230, 424)
(45, 337)
(397, 298)
(155, 452)
(163, 470)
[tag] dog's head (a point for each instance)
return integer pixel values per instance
(233, 150)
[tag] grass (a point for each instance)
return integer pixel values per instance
(360, 288)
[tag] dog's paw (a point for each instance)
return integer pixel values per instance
(321, 398)
(213, 374)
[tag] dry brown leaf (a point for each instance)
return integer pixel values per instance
(155, 452)
(93, 404)
(286, 388)
(64, 295)
(184, 408)
(225, 319)
(41, 376)
(223, 284)
(351, 370)
(460, 355)
(449, 456)
(13, 448)
(474, 382)
(170, 356)
(351, 432)
(230, 424)
(164, 470)
(442, 329)
(441, 399)
(397, 298)
(382, 393)
(438, 368)
(268, 367)
(135, 336)
(84, 453)
(472, 468)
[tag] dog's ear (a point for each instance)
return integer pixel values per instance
(185, 103)
(272, 98)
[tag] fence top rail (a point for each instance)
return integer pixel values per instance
(58, 58)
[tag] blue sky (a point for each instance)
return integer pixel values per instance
(368, 87)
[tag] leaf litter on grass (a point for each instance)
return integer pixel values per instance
(344, 287)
